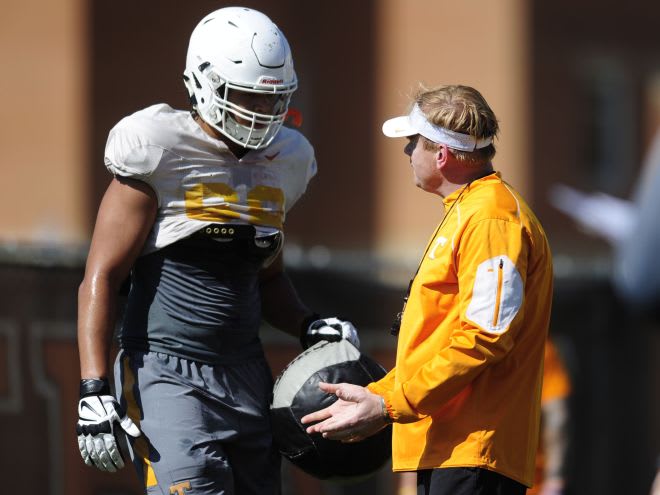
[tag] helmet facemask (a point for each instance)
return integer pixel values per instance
(252, 128)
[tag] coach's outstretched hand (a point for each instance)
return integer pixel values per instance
(356, 415)
(330, 329)
(98, 415)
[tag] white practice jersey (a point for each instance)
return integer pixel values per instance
(199, 181)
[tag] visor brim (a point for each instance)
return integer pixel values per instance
(399, 127)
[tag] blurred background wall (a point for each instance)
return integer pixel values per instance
(574, 84)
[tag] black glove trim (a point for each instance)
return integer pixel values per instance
(93, 429)
(305, 326)
(94, 386)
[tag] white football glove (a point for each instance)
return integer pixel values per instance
(332, 330)
(98, 416)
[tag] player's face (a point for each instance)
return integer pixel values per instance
(423, 163)
(265, 104)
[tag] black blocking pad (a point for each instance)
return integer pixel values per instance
(296, 393)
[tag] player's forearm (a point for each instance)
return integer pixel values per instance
(97, 302)
(125, 218)
(281, 306)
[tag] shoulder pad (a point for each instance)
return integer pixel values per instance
(133, 148)
(297, 150)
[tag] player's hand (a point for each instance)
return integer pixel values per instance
(330, 329)
(99, 414)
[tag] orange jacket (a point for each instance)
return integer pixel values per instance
(466, 387)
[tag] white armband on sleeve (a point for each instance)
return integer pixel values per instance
(497, 295)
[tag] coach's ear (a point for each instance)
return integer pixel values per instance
(441, 156)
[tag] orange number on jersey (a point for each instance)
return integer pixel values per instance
(223, 204)
(195, 207)
(258, 196)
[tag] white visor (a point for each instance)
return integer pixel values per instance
(416, 123)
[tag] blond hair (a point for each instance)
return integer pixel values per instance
(461, 109)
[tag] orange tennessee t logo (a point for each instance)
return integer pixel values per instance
(180, 488)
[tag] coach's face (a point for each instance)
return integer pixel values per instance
(424, 164)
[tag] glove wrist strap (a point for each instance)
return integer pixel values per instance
(94, 386)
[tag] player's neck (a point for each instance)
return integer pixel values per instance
(238, 150)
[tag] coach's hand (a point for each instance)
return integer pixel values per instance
(330, 329)
(355, 415)
(98, 416)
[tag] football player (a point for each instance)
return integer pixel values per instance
(195, 214)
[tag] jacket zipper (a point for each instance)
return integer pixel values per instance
(498, 296)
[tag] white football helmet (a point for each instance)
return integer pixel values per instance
(237, 49)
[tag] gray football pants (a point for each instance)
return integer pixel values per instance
(205, 428)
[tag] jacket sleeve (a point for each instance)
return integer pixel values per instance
(385, 385)
(491, 265)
